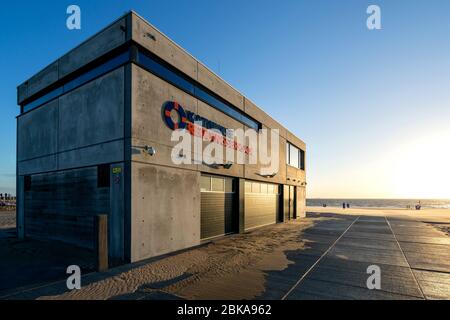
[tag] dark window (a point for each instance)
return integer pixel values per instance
(169, 74)
(103, 176)
(98, 71)
(44, 99)
(165, 73)
(216, 103)
(302, 159)
(27, 183)
(90, 75)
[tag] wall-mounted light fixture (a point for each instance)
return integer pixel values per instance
(227, 165)
(150, 150)
(266, 175)
(149, 35)
(147, 149)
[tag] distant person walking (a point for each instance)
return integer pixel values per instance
(343, 205)
(348, 205)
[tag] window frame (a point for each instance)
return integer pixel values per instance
(300, 156)
(210, 177)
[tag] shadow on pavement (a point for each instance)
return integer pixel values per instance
(34, 262)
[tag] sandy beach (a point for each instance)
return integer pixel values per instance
(425, 215)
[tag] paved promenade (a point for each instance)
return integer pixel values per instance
(324, 256)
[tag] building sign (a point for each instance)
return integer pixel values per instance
(117, 170)
(187, 121)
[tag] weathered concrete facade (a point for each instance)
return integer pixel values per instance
(154, 206)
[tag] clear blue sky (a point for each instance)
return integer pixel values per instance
(367, 103)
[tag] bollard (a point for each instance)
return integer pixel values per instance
(101, 241)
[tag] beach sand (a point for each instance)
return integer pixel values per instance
(424, 215)
(222, 269)
(438, 218)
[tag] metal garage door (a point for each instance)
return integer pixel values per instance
(62, 205)
(217, 201)
(261, 204)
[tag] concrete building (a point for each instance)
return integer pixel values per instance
(86, 135)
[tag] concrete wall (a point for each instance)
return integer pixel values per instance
(82, 128)
(165, 208)
(106, 40)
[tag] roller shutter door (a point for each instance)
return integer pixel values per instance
(62, 205)
(217, 202)
(261, 204)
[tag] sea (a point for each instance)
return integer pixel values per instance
(380, 203)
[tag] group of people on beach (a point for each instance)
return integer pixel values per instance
(344, 205)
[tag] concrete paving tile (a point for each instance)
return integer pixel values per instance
(421, 239)
(373, 256)
(298, 264)
(399, 280)
(312, 249)
(428, 261)
(405, 223)
(372, 229)
(419, 231)
(319, 238)
(369, 243)
(426, 248)
(369, 235)
(371, 219)
(323, 231)
(435, 291)
(437, 277)
(435, 285)
(335, 291)
(380, 222)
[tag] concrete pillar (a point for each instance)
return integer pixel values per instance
(20, 208)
